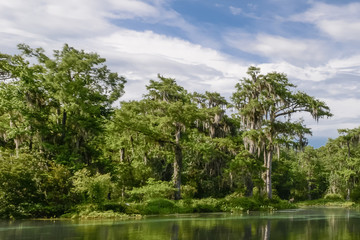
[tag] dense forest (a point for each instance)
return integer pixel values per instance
(66, 140)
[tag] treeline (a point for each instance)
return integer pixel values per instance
(64, 142)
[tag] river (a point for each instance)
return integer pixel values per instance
(311, 223)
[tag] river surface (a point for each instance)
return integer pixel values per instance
(312, 223)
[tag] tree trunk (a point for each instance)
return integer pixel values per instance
(177, 171)
(31, 143)
(231, 180)
(268, 173)
(63, 122)
(16, 139)
(122, 154)
(212, 130)
(17, 144)
(177, 165)
(348, 192)
(264, 174)
(249, 186)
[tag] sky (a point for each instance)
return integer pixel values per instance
(207, 45)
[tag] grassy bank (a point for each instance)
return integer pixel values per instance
(330, 200)
(121, 210)
(326, 203)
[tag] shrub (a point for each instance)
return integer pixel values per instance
(243, 203)
(115, 206)
(333, 197)
(355, 194)
(207, 205)
(153, 189)
(159, 206)
(93, 188)
(188, 191)
(32, 187)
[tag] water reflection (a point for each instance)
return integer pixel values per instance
(298, 224)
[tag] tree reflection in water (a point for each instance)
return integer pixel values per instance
(299, 224)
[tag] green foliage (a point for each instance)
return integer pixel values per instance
(92, 188)
(206, 205)
(57, 105)
(152, 189)
(326, 203)
(355, 194)
(265, 104)
(333, 197)
(91, 211)
(32, 186)
(235, 203)
(115, 206)
(100, 187)
(66, 148)
(159, 206)
(188, 191)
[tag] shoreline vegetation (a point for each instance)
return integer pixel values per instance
(69, 147)
(230, 204)
(161, 206)
(127, 211)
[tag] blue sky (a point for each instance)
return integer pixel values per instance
(207, 45)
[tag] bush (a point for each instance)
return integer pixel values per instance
(187, 191)
(355, 194)
(276, 203)
(32, 187)
(116, 207)
(333, 197)
(159, 206)
(19, 177)
(236, 202)
(153, 189)
(93, 188)
(241, 204)
(207, 205)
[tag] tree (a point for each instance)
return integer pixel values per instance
(162, 117)
(342, 159)
(175, 113)
(265, 104)
(63, 101)
(23, 109)
(313, 171)
(213, 119)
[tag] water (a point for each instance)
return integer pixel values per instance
(318, 223)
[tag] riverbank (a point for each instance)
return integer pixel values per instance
(327, 203)
(161, 206)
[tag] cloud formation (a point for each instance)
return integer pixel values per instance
(339, 22)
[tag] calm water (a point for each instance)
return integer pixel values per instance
(292, 224)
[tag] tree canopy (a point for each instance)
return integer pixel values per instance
(68, 141)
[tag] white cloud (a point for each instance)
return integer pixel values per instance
(277, 48)
(174, 49)
(346, 115)
(144, 54)
(340, 22)
(350, 65)
(52, 19)
(82, 18)
(137, 55)
(235, 10)
(306, 73)
(132, 8)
